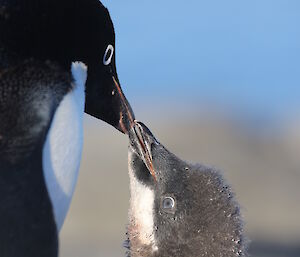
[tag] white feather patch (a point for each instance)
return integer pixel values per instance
(63, 147)
(141, 208)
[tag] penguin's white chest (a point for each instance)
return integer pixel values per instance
(63, 147)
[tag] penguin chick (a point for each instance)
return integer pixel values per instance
(178, 209)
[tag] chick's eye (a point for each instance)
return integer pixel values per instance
(109, 52)
(168, 203)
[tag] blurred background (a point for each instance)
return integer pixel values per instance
(218, 82)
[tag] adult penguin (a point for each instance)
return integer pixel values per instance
(43, 95)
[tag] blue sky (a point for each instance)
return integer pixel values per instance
(240, 55)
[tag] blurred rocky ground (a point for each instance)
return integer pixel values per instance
(262, 165)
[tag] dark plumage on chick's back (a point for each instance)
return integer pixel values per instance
(186, 210)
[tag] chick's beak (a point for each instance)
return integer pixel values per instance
(141, 140)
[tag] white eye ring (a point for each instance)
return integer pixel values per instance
(168, 203)
(107, 59)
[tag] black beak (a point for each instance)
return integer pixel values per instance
(141, 140)
(105, 99)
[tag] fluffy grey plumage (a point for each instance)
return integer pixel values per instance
(203, 220)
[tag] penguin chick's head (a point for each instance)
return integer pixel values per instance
(185, 210)
(66, 31)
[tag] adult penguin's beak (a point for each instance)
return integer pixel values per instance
(105, 99)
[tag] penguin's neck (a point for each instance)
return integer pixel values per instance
(141, 241)
(63, 147)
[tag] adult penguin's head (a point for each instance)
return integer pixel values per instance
(66, 31)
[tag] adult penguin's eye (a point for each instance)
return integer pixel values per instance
(168, 204)
(107, 57)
